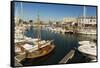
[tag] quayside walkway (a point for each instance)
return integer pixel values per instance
(67, 57)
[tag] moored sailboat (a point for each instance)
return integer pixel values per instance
(33, 48)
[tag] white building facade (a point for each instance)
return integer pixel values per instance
(87, 20)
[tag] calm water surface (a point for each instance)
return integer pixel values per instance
(63, 42)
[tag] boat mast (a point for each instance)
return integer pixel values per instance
(84, 16)
(22, 17)
(21, 10)
(49, 21)
(39, 31)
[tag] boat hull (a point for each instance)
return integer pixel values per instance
(92, 57)
(43, 53)
(37, 53)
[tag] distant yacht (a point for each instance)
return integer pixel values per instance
(87, 31)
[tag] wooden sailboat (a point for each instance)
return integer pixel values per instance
(30, 50)
(42, 49)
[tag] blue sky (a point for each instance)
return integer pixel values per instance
(50, 11)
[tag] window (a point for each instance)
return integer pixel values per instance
(90, 20)
(94, 20)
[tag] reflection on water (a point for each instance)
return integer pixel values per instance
(63, 42)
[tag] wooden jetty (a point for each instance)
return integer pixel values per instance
(68, 57)
(18, 59)
(17, 63)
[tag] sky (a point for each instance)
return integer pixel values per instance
(29, 11)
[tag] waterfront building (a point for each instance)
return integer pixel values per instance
(69, 19)
(87, 25)
(87, 21)
(69, 22)
(16, 20)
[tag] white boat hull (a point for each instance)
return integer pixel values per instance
(89, 56)
(88, 49)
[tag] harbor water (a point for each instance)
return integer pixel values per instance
(63, 44)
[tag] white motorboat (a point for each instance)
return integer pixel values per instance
(88, 49)
(83, 42)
